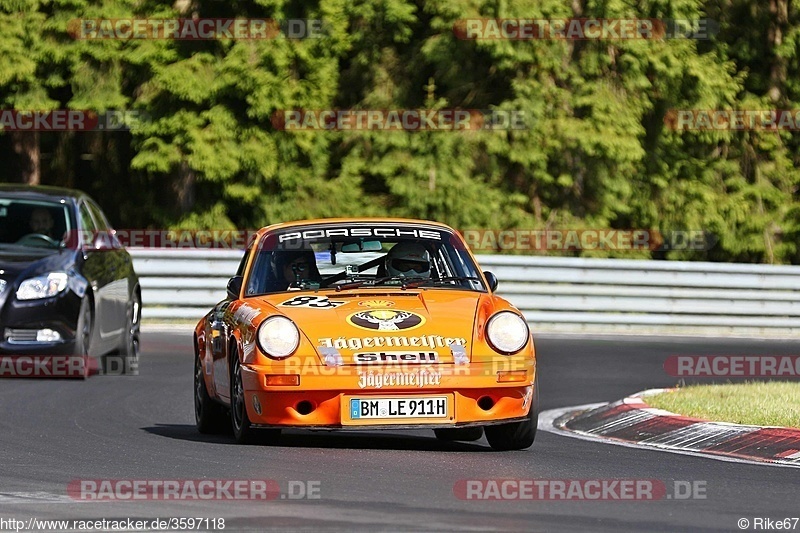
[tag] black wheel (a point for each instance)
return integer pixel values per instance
(517, 435)
(462, 434)
(83, 333)
(209, 416)
(243, 431)
(130, 351)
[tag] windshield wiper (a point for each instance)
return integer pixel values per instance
(456, 278)
(358, 283)
(418, 282)
(405, 281)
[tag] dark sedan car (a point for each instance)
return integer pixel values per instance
(66, 285)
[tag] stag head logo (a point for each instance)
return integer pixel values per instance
(385, 320)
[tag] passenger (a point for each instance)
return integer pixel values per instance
(408, 260)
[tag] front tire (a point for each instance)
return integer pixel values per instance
(130, 351)
(83, 333)
(516, 435)
(243, 430)
(209, 416)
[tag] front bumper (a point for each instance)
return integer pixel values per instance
(19, 321)
(319, 402)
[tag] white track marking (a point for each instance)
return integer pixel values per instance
(34, 497)
(547, 423)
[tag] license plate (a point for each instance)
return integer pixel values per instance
(398, 408)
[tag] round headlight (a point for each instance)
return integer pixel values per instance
(507, 332)
(278, 337)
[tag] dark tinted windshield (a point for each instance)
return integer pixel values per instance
(32, 223)
(361, 255)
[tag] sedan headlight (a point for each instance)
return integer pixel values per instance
(507, 332)
(278, 337)
(42, 286)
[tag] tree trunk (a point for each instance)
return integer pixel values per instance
(25, 145)
(184, 188)
(779, 21)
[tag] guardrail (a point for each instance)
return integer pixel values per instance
(555, 294)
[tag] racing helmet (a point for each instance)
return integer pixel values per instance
(409, 260)
(281, 260)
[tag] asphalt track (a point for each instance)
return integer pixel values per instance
(142, 427)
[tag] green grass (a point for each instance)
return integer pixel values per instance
(775, 403)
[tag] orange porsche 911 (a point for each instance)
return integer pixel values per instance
(347, 324)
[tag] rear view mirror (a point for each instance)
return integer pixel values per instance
(363, 246)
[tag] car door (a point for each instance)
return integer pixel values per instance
(119, 270)
(96, 271)
(221, 325)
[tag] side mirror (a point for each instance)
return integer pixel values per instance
(105, 241)
(235, 287)
(492, 279)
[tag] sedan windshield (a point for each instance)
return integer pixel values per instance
(349, 256)
(30, 223)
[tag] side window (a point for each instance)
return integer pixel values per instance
(86, 222)
(243, 263)
(259, 272)
(99, 217)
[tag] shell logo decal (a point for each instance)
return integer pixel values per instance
(385, 320)
(376, 303)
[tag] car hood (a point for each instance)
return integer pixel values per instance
(414, 326)
(24, 262)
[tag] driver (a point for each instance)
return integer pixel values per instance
(41, 222)
(408, 260)
(289, 267)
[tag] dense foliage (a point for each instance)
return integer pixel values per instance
(598, 152)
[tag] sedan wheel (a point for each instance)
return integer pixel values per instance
(83, 333)
(130, 353)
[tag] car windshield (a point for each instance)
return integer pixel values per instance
(349, 256)
(31, 223)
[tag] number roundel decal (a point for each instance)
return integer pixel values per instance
(312, 302)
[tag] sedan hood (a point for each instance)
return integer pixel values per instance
(414, 326)
(18, 261)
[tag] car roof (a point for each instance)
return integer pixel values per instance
(353, 220)
(40, 192)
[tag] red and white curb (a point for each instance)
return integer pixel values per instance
(631, 422)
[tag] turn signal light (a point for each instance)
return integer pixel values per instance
(513, 376)
(282, 380)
